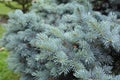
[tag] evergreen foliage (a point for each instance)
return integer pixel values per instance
(63, 40)
(24, 5)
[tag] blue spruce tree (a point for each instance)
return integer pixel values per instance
(63, 40)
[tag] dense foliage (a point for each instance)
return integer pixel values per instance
(63, 40)
(21, 4)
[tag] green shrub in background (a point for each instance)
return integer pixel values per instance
(4, 10)
(24, 5)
